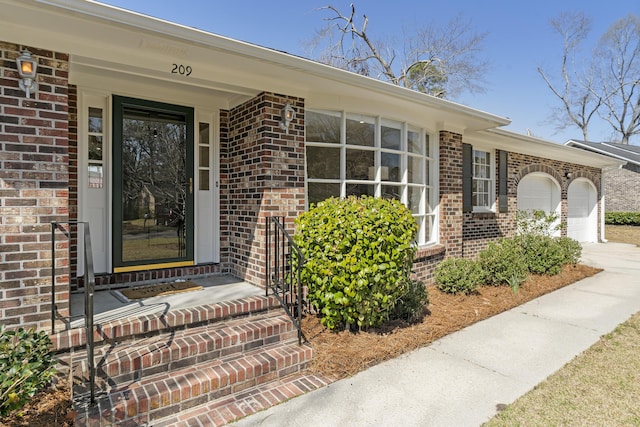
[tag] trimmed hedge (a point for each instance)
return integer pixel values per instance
(622, 218)
(359, 255)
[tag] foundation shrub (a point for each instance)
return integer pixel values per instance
(544, 255)
(359, 254)
(504, 263)
(26, 366)
(571, 250)
(458, 276)
(411, 306)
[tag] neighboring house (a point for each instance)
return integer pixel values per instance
(620, 183)
(240, 133)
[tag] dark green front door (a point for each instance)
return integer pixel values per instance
(152, 184)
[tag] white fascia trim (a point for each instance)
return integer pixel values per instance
(542, 148)
(187, 34)
(572, 143)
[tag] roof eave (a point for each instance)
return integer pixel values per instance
(123, 17)
(542, 148)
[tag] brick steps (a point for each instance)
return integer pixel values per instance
(224, 410)
(130, 361)
(226, 359)
(174, 391)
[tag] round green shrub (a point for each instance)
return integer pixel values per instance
(359, 254)
(26, 366)
(504, 262)
(544, 255)
(571, 250)
(458, 276)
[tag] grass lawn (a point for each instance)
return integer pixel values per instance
(600, 387)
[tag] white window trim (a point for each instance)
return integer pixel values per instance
(492, 178)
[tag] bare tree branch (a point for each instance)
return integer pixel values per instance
(439, 61)
(619, 53)
(578, 99)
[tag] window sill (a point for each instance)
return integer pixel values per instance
(429, 251)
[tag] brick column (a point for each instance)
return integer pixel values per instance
(451, 217)
(33, 188)
(262, 175)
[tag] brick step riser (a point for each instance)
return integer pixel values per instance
(125, 368)
(183, 390)
(150, 325)
(226, 409)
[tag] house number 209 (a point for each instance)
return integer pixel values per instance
(181, 69)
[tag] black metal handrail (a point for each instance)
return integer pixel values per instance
(284, 265)
(89, 290)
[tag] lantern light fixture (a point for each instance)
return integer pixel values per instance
(286, 116)
(27, 69)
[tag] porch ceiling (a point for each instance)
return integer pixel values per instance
(103, 38)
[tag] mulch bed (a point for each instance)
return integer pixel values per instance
(342, 354)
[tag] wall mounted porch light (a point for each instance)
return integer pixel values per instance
(286, 116)
(27, 69)
(568, 175)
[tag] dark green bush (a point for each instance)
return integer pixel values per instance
(411, 306)
(359, 255)
(458, 276)
(504, 263)
(543, 254)
(26, 366)
(571, 250)
(622, 218)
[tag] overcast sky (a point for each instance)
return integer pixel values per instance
(519, 40)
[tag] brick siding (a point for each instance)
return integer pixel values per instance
(262, 174)
(34, 188)
(451, 193)
(480, 229)
(621, 189)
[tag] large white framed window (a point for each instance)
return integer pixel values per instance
(350, 154)
(483, 181)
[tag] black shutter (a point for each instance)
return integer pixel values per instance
(467, 178)
(503, 182)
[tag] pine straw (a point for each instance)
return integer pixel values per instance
(343, 354)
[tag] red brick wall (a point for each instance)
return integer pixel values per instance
(33, 188)
(262, 174)
(617, 183)
(451, 193)
(481, 228)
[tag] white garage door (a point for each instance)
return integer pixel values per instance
(539, 192)
(582, 221)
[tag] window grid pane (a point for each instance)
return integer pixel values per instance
(396, 166)
(481, 179)
(95, 171)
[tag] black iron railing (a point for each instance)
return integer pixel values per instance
(284, 264)
(89, 290)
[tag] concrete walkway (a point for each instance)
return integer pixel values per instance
(460, 379)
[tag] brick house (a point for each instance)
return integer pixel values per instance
(175, 144)
(617, 180)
